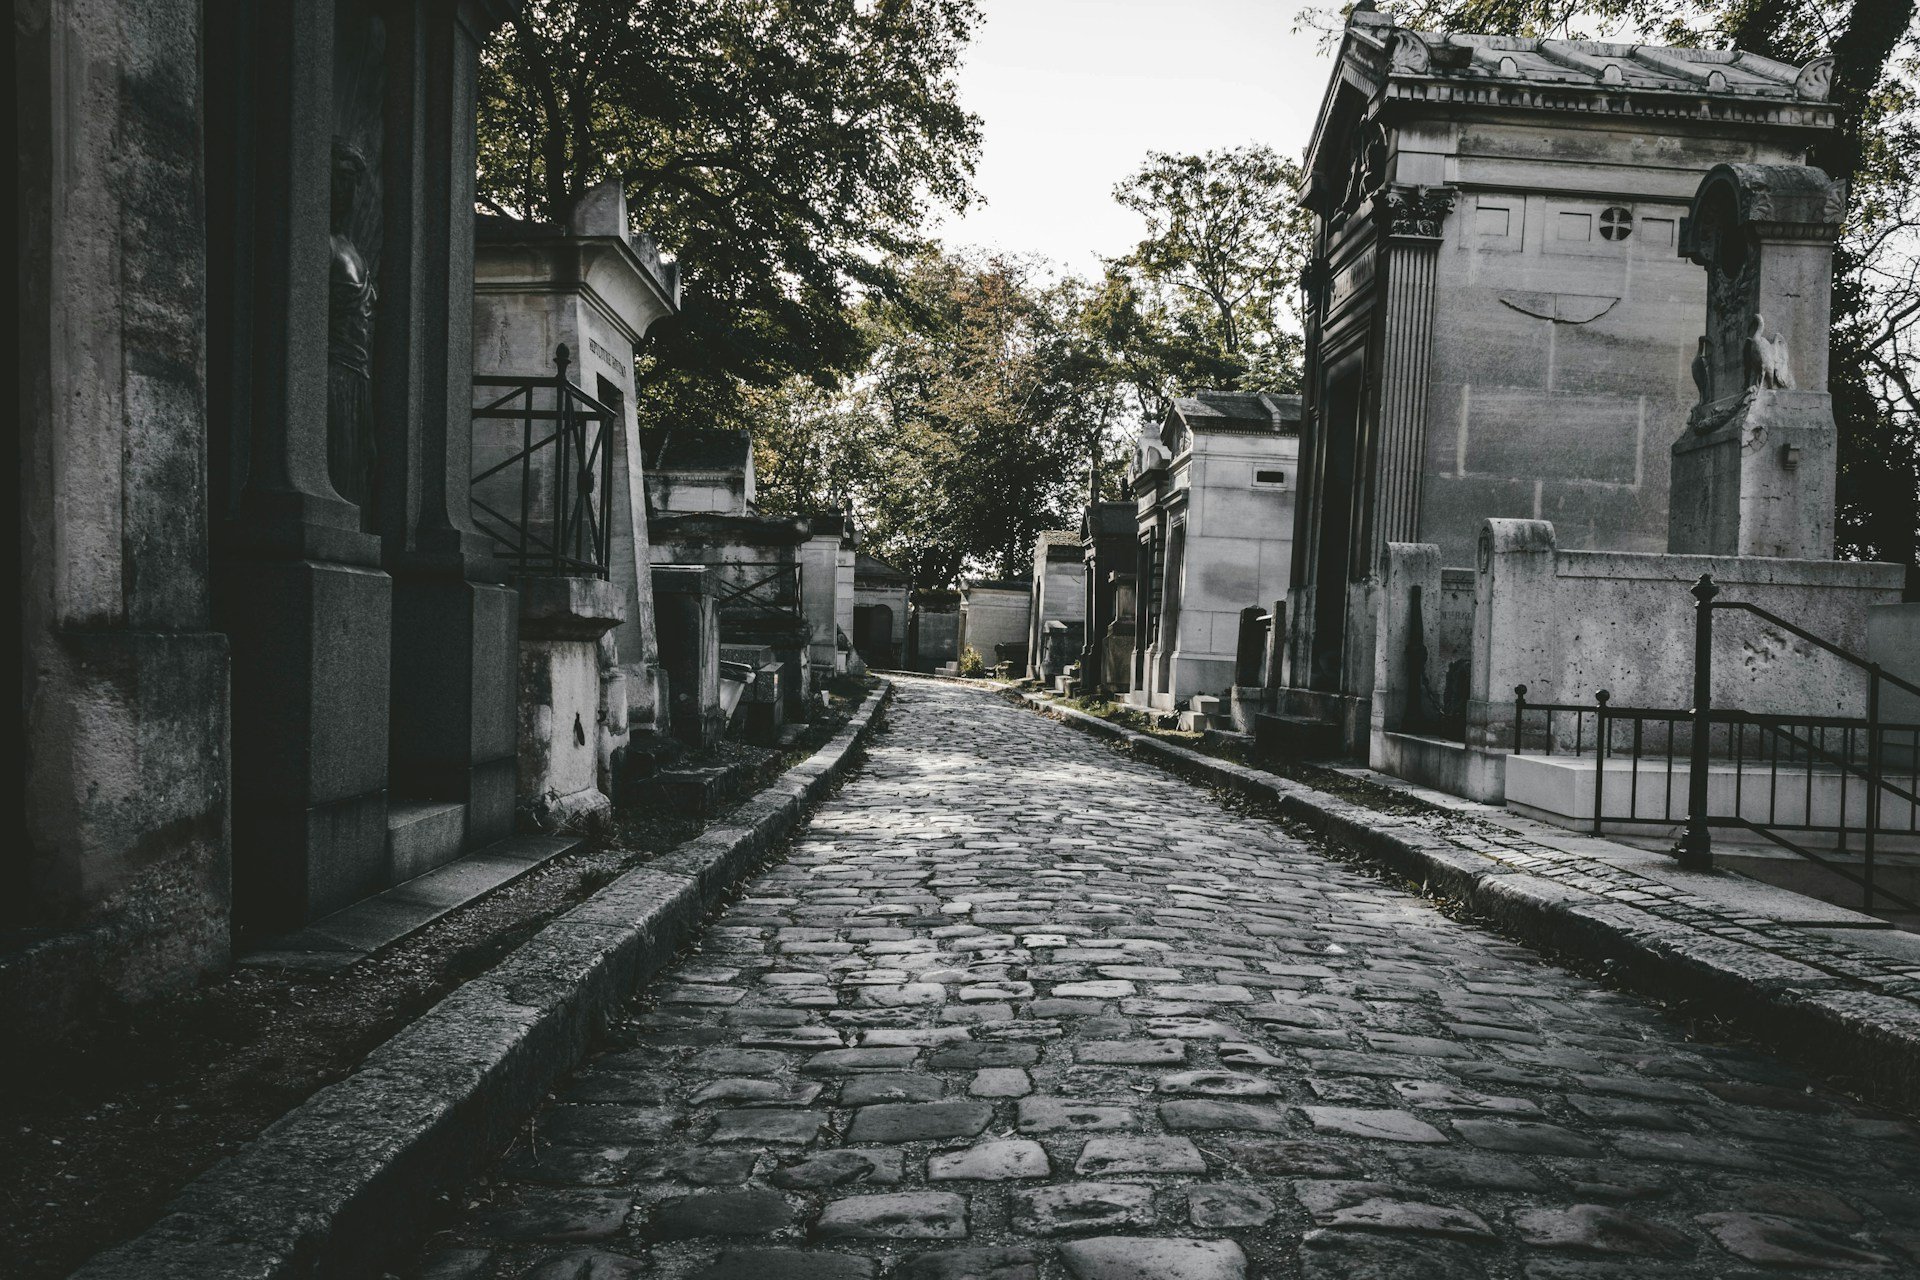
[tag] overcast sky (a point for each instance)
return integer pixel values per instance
(1074, 93)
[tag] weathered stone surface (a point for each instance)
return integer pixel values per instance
(1132, 1258)
(1524, 1138)
(1082, 1206)
(788, 1264)
(768, 1126)
(991, 1162)
(1389, 1126)
(1385, 1213)
(555, 1214)
(1207, 1113)
(918, 1121)
(838, 1169)
(721, 1213)
(1770, 1241)
(909, 1215)
(970, 1264)
(1057, 1115)
(889, 1086)
(1131, 1052)
(1139, 1155)
(1596, 1228)
(1000, 1082)
(1220, 1208)
(1219, 1084)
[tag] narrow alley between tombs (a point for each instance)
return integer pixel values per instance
(1019, 1005)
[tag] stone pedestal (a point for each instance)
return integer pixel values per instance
(1758, 480)
(310, 690)
(562, 621)
(687, 623)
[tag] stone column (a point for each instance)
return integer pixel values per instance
(455, 624)
(1514, 626)
(1414, 218)
(297, 584)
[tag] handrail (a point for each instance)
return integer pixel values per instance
(1811, 638)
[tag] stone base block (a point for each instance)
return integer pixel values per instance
(584, 812)
(1477, 773)
(695, 793)
(1759, 481)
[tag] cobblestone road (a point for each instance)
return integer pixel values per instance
(1020, 1006)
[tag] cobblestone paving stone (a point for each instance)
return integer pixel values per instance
(1018, 1007)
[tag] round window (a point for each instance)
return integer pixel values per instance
(1616, 223)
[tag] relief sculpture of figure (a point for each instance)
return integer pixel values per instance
(1703, 372)
(1766, 358)
(350, 298)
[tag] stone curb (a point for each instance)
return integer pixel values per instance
(338, 1184)
(1843, 1026)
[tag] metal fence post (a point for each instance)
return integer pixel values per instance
(1694, 850)
(1873, 774)
(1519, 711)
(1600, 758)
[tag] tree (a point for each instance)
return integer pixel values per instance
(786, 153)
(1208, 296)
(1874, 359)
(971, 429)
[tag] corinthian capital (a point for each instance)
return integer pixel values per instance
(1416, 211)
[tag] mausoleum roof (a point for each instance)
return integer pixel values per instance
(874, 569)
(1383, 68)
(1239, 411)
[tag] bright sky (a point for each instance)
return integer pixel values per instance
(1074, 93)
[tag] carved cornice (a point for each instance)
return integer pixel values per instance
(1415, 212)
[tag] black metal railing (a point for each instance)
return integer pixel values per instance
(762, 587)
(542, 495)
(1855, 779)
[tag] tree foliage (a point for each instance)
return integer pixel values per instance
(1207, 298)
(786, 153)
(1874, 360)
(970, 431)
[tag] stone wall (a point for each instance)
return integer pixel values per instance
(120, 887)
(1569, 623)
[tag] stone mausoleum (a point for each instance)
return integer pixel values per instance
(1106, 543)
(1501, 323)
(571, 303)
(994, 620)
(880, 611)
(269, 659)
(1214, 488)
(1056, 619)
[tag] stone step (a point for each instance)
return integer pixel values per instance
(422, 835)
(1298, 737)
(355, 932)
(1228, 738)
